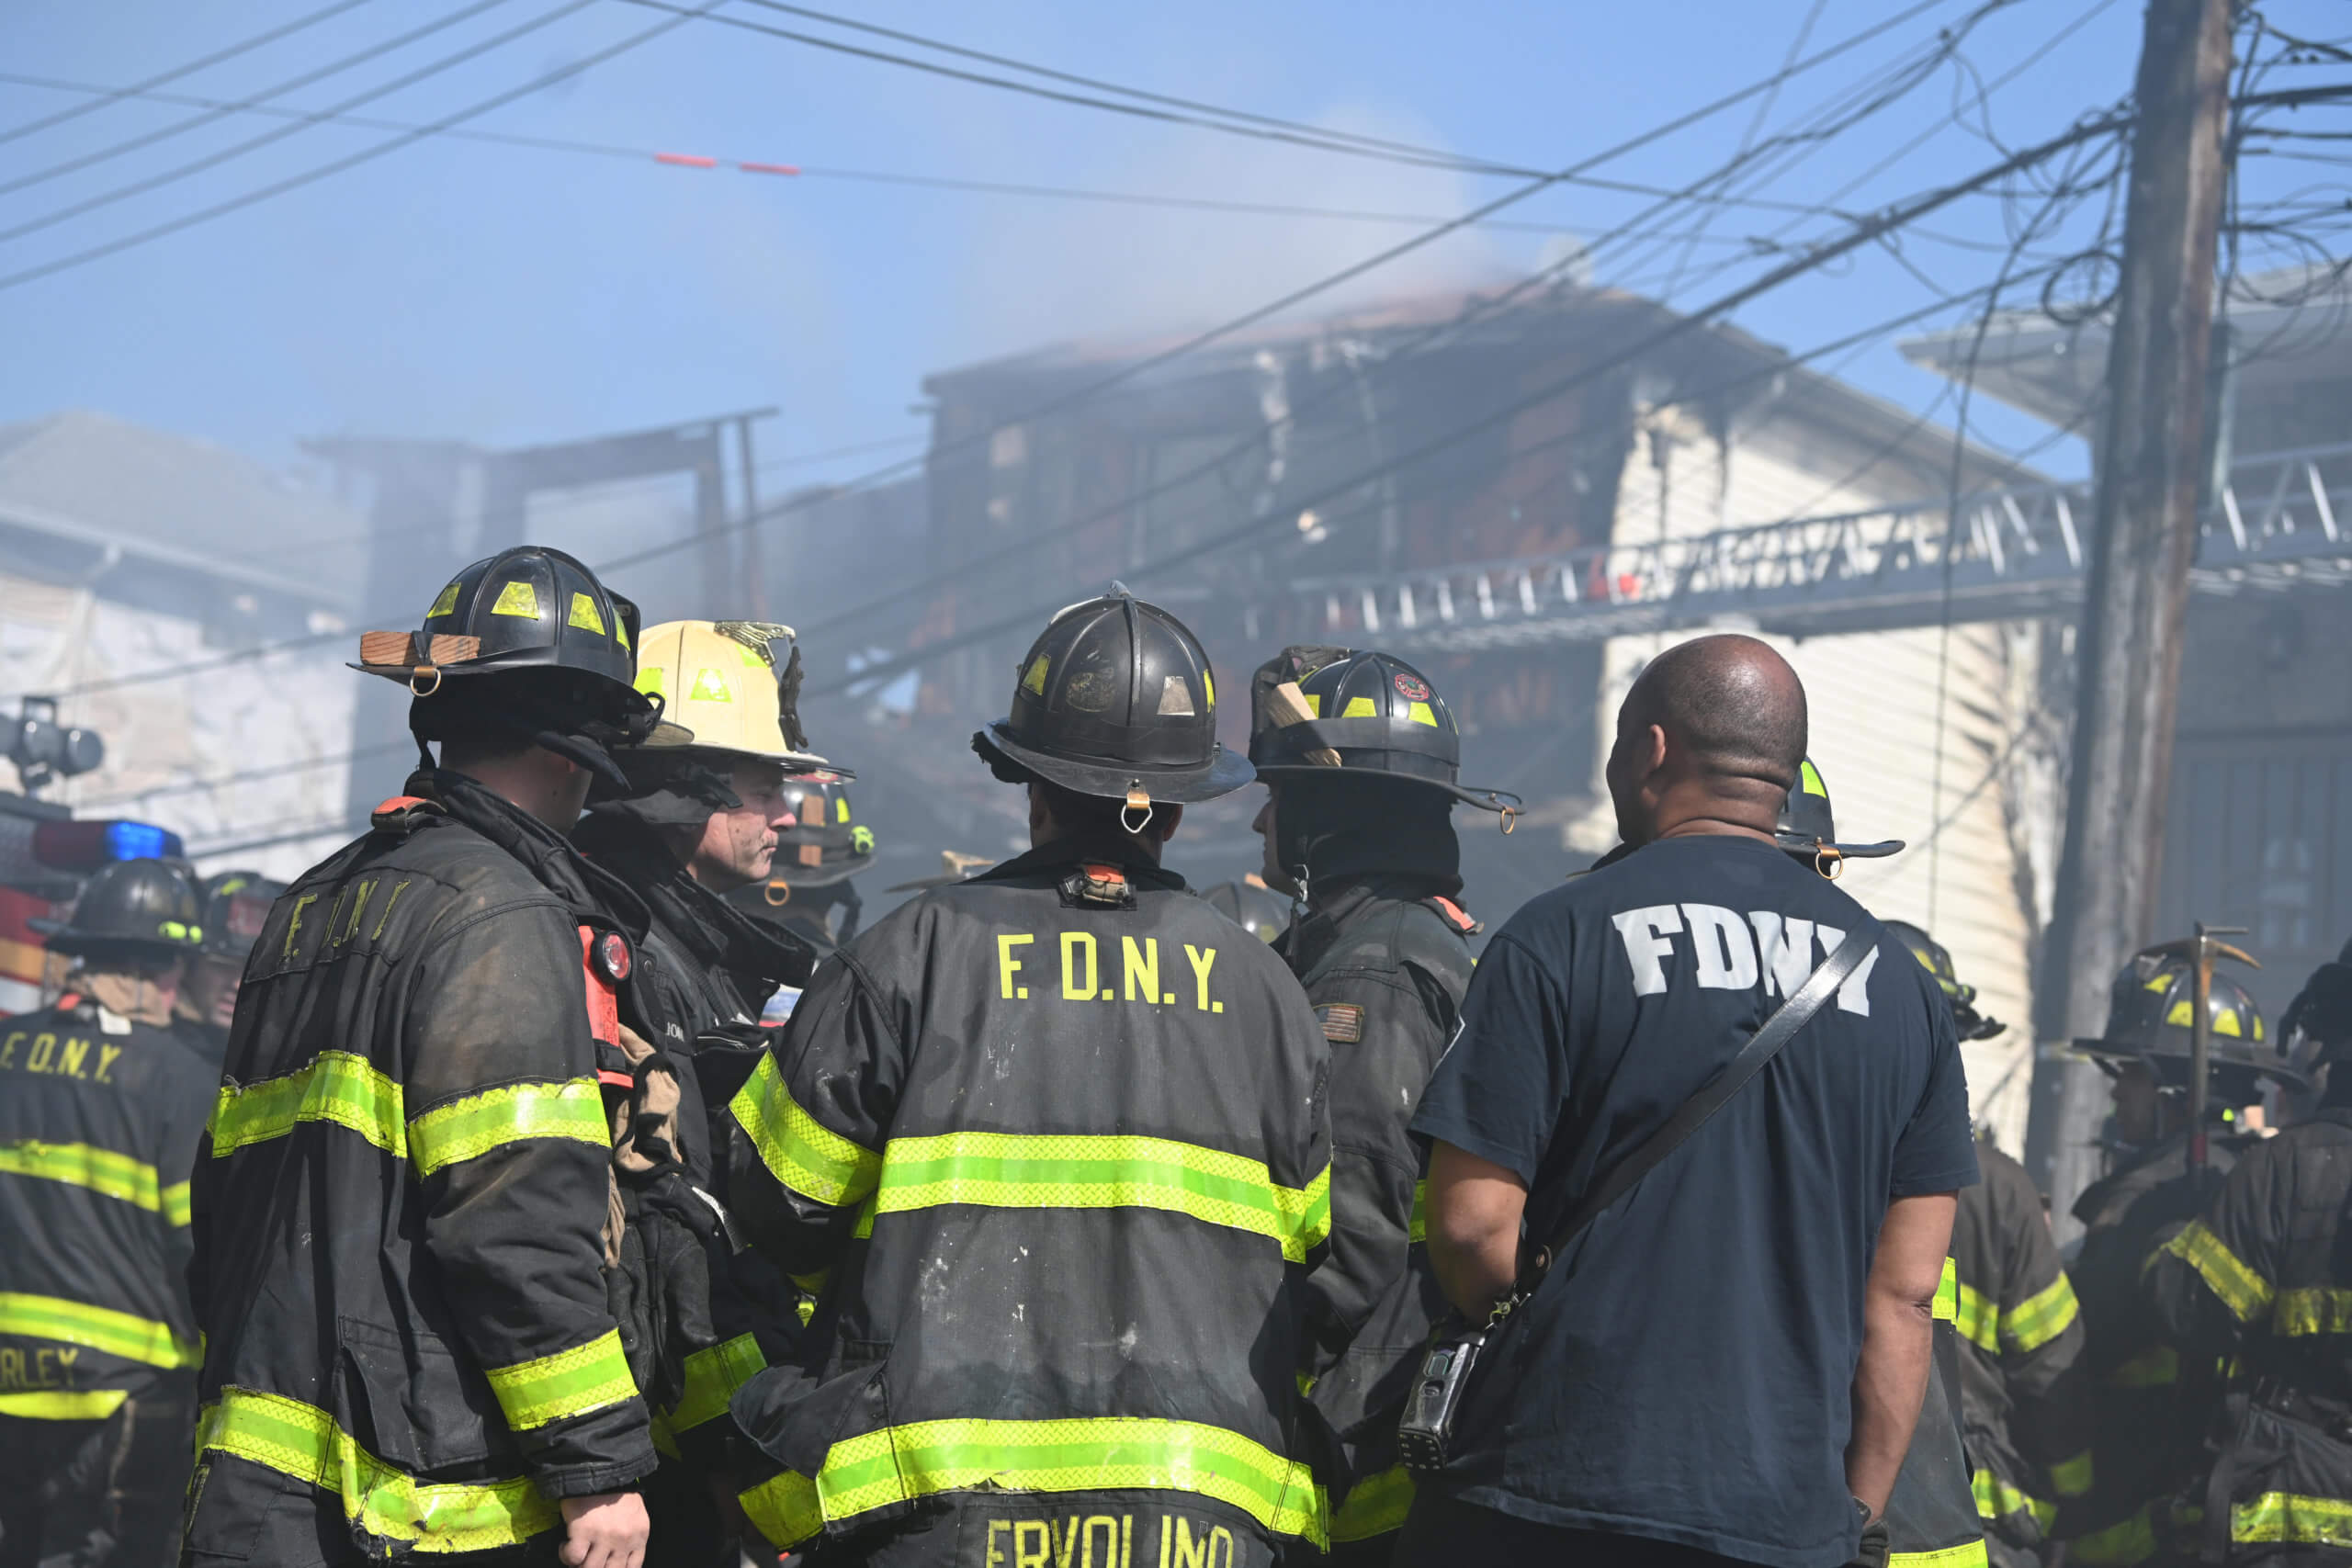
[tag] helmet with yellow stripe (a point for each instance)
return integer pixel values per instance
(2151, 1010)
(560, 646)
(1808, 829)
(1340, 713)
(722, 682)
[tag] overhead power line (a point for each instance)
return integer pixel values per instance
(352, 160)
(216, 112)
(1859, 235)
(980, 437)
(206, 62)
(1349, 273)
(253, 144)
(879, 177)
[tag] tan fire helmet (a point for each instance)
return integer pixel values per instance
(724, 674)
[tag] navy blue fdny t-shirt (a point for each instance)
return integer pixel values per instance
(1684, 1372)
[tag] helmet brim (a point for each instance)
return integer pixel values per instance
(1223, 773)
(1804, 844)
(2104, 1050)
(669, 736)
(1483, 799)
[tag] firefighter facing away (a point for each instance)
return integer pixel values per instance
(101, 1104)
(1360, 757)
(402, 1203)
(1059, 1131)
(2262, 1277)
(2025, 1399)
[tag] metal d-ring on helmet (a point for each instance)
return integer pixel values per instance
(2150, 1018)
(1338, 711)
(1937, 961)
(562, 645)
(1115, 700)
(130, 909)
(1807, 829)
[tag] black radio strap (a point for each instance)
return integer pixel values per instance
(1762, 1046)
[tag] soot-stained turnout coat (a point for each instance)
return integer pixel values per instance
(1061, 1133)
(399, 1203)
(1384, 961)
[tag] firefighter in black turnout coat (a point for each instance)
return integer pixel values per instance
(1360, 757)
(699, 820)
(1060, 1132)
(101, 1104)
(2262, 1280)
(401, 1204)
(2152, 1399)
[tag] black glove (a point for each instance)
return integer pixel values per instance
(1873, 1550)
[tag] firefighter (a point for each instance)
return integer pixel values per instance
(2262, 1278)
(2025, 1397)
(700, 820)
(820, 848)
(401, 1204)
(1360, 756)
(1931, 1516)
(236, 904)
(1059, 1131)
(101, 1103)
(2150, 1402)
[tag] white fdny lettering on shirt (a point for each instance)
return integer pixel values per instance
(1728, 954)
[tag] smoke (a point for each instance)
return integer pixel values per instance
(1040, 272)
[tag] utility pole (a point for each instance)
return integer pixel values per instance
(2152, 456)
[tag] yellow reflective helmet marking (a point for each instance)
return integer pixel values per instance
(1422, 713)
(585, 616)
(1809, 779)
(652, 680)
(841, 808)
(710, 686)
(1358, 707)
(443, 605)
(1034, 681)
(517, 599)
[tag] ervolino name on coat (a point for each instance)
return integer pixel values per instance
(1717, 948)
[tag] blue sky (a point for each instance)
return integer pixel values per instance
(508, 295)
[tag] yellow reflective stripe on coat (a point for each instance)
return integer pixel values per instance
(1996, 1498)
(1968, 1554)
(2040, 1317)
(712, 1378)
(2288, 1517)
(100, 1328)
(57, 1405)
(1417, 1229)
(2242, 1290)
(1116, 1171)
(176, 1208)
(469, 1128)
(570, 1383)
(1374, 1505)
(334, 1086)
(102, 1171)
(1978, 1318)
(799, 1151)
(901, 1464)
(2118, 1545)
(2073, 1477)
(1946, 1307)
(302, 1442)
(2313, 1309)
